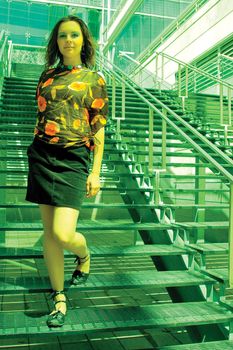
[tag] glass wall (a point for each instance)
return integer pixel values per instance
(30, 22)
(144, 28)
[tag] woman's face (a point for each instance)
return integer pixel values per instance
(70, 42)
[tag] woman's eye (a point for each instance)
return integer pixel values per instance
(74, 35)
(62, 36)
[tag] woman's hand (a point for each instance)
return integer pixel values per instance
(93, 185)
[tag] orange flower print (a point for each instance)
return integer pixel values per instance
(101, 81)
(98, 103)
(99, 118)
(41, 103)
(76, 124)
(51, 128)
(48, 82)
(85, 139)
(78, 86)
(54, 140)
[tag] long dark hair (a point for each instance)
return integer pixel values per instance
(88, 50)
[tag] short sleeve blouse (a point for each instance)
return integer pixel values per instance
(72, 106)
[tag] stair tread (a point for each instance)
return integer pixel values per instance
(85, 320)
(213, 345)
(119, 225)
(120, 205)
(206, 224)
(220, 273)
(91, 225)
(210, 248)
(136, 279)
(137, 250)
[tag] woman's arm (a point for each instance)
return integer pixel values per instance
(93, 180)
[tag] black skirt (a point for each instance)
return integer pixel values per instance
(57, 176)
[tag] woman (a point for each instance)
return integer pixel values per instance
(72, 108)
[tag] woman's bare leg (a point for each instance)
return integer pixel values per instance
(64, 227)
(59, 233)
(53, 255)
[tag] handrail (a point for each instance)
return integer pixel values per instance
(172, 28)
(28, 45)
(221, 83)
(120, 75)
(3, 57)
(197, 70)
(3, 47)
(130, 83)
(149, 74)
(188, 65)
(183, 82)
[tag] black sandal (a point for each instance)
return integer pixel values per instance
(80, 277)
(56, 319)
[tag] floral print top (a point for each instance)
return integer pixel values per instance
(72, 106)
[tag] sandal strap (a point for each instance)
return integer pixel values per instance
(57, 292)
(54, 293)
(59, 301)
(82, 260)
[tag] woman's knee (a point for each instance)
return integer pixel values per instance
(69, 239)
(64, 238)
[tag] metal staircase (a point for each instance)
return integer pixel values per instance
(162, 203)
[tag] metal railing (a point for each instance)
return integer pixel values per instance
(186, 78)
(145, 77)
(4, 56)
(119, 76)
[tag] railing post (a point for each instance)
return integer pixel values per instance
(9, 57)
(179, 80)
(162, 75)
(231, 237)
(164, 140)
(151, 139)
(221, 103)
(186, 81)
(123, 101)
(113, 97)
(229, 106)
(156, 68)
(156, 187)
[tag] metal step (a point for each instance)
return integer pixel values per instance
(118, 225)
(91, 225)
(89, 320)
(137, 152)
(142, 163)
(126, 206)
(210, 248)
(213, 345)
(121, 190)
(221, 275)
(204, 225)
(103, 251)
(11, 284)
